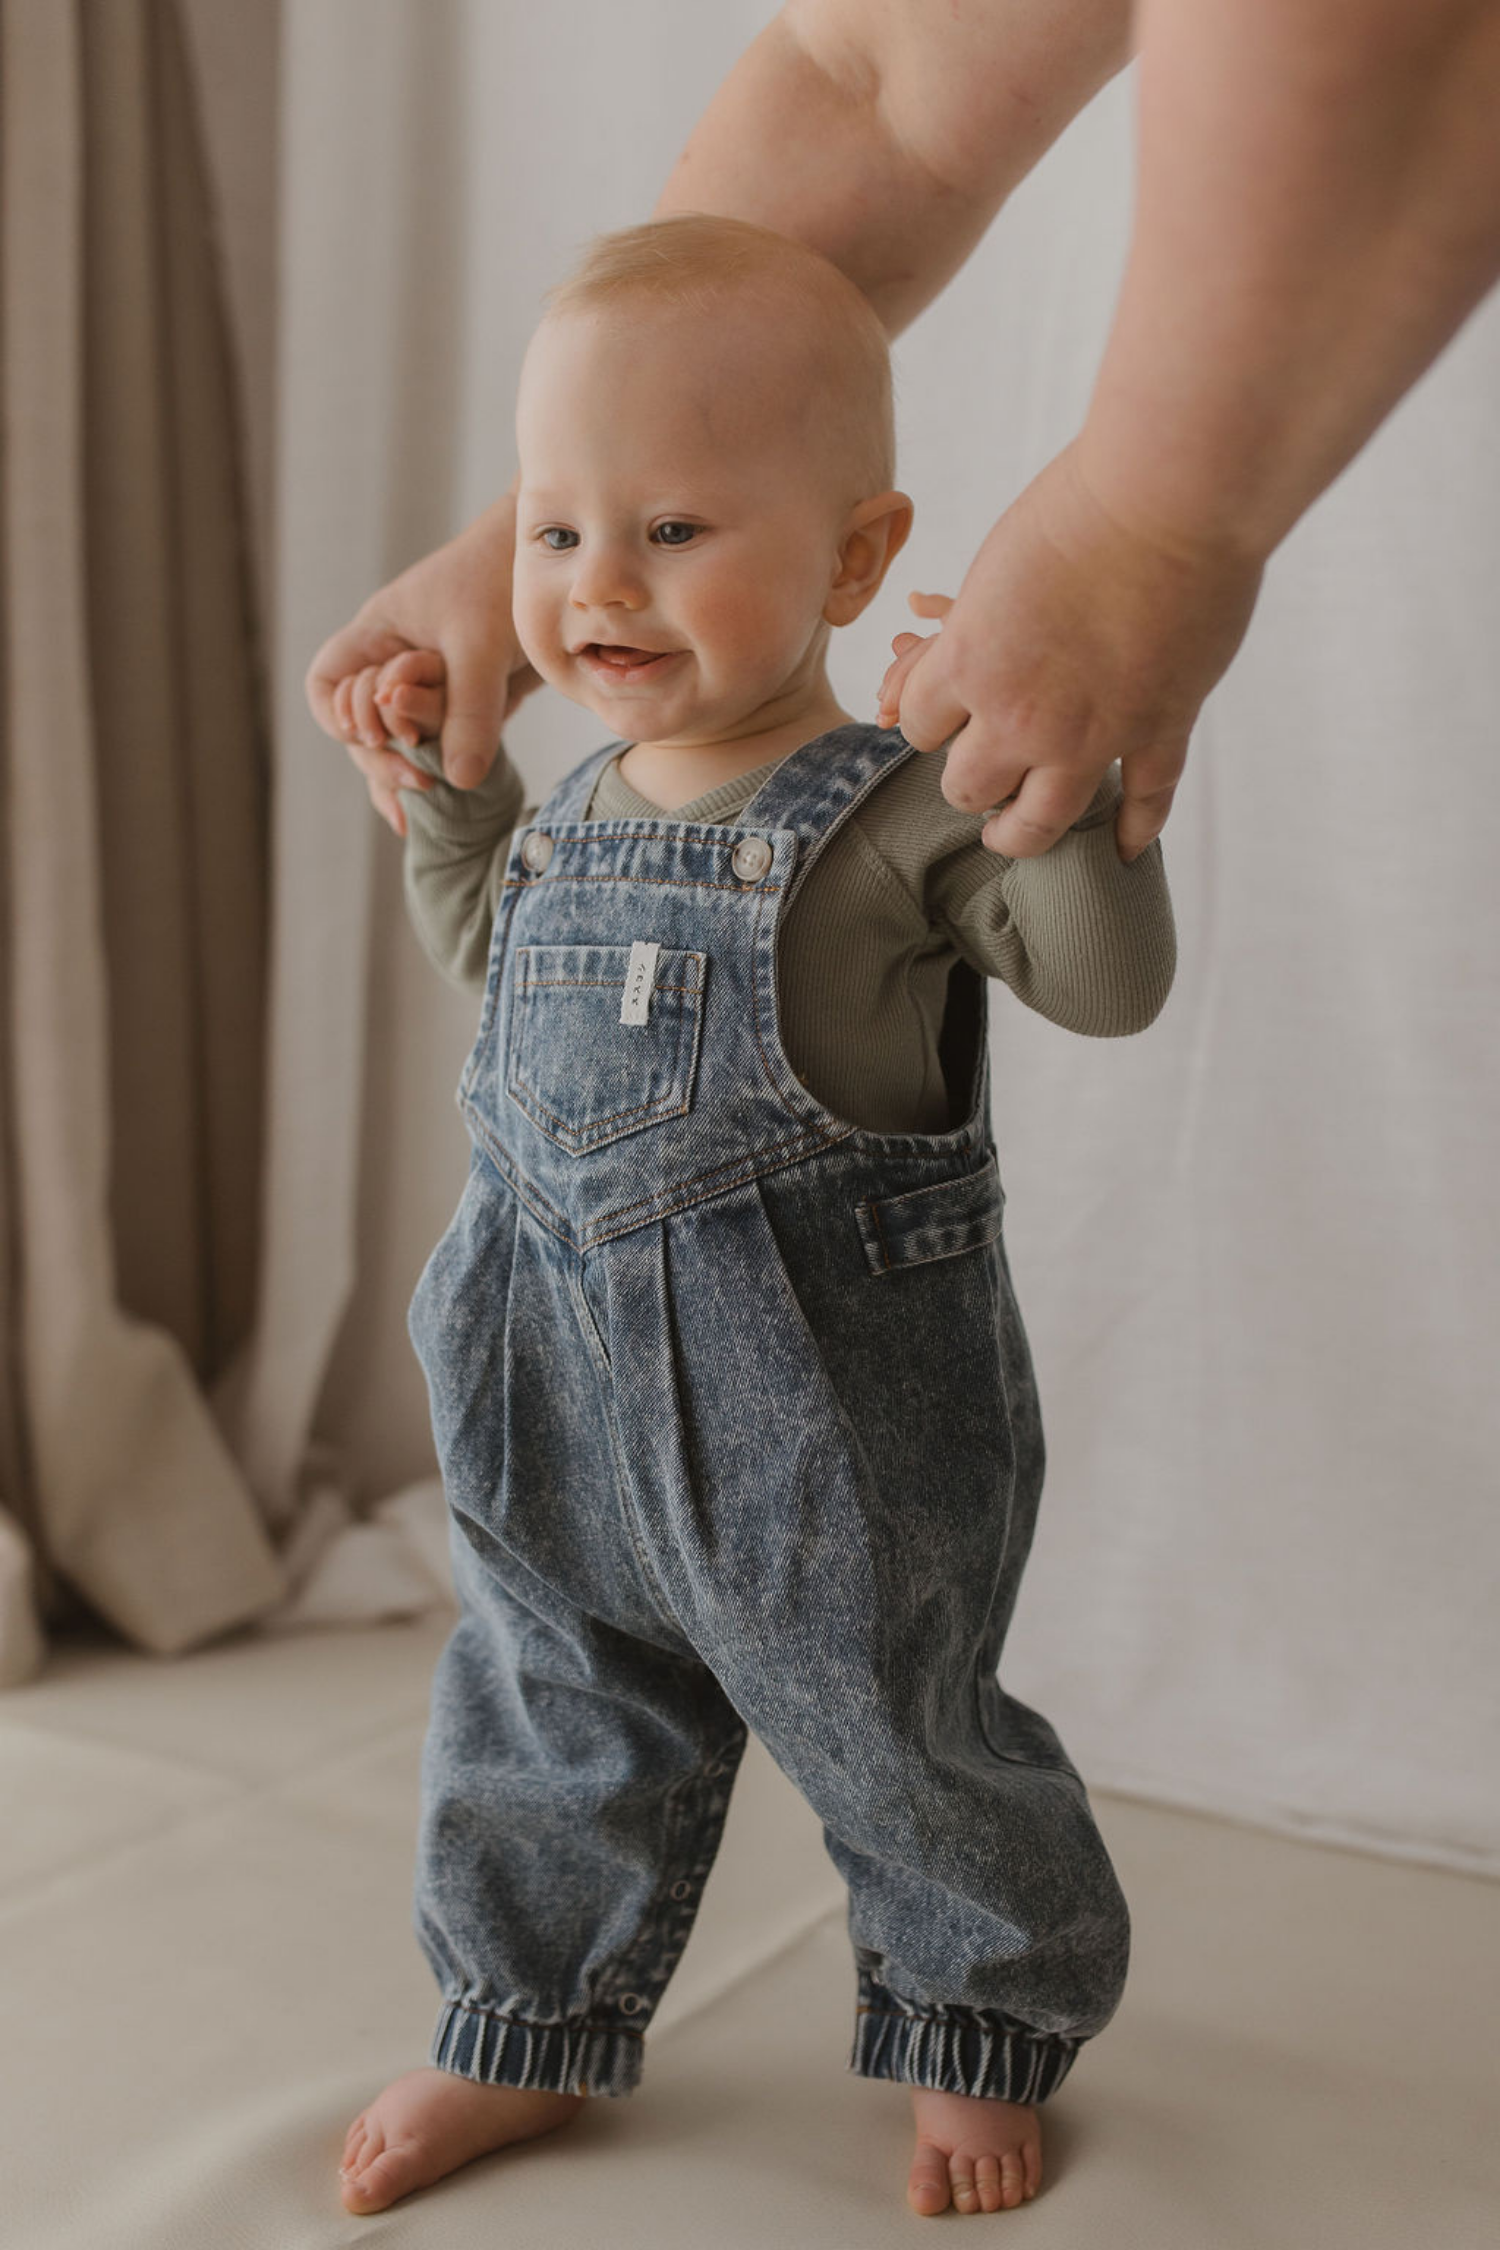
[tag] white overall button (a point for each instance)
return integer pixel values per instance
(751, 858)
(536, 851)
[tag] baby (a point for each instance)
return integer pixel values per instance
(729, 1386)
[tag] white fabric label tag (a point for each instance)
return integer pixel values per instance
(640, 976)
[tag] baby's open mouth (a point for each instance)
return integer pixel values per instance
(626, 663)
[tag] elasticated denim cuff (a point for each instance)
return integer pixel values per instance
(577, 2056)
(956, 2050)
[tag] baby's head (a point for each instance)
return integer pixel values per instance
(706, 443)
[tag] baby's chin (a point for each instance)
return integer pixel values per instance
(691, 713)
(645, 717)
(622, 712)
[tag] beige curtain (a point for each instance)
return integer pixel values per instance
(133, 886)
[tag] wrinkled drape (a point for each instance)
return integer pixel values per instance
(135, 871)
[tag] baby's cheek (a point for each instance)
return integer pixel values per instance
(536, 629)
(753, 626)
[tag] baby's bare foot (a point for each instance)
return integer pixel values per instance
(428, 2123)
(983, 2155)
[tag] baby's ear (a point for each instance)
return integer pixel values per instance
(873, 536)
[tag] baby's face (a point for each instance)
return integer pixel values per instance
(676, 530)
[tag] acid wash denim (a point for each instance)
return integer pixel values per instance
(737, 1423)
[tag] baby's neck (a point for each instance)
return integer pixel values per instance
(670, 774)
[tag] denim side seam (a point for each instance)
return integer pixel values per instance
(955, 2050)
(695, 1809)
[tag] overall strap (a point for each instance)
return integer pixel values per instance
(816, 788)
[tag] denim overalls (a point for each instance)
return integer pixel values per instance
(738, 1427)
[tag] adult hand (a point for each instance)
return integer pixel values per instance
(455, 601)
(1077, 638)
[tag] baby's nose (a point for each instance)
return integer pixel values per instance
(601, 580)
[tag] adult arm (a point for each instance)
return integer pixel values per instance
(887, 133)
(1318, 209)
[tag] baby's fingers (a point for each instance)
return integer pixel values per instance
(930, 605)
(412, 713)
(369, 723)
(411, 694)
(898, 672)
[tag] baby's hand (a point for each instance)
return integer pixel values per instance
(402, 700)
(412, 695)
(908, 648)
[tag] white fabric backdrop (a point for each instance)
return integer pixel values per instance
(1256, 1247)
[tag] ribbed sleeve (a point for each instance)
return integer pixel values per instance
(457, 843)
(1080, 937)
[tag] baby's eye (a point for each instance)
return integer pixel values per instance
(556, 531)
(689, 531)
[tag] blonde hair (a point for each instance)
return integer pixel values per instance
(699, 261)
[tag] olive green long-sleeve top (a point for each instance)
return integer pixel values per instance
(901, 890)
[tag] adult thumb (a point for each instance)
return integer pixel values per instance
(478, 674)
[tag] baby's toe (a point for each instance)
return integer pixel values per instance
(961, 2181)
(1013, 2179)
(379, 2178)
(987, 2181)
(927, 2189)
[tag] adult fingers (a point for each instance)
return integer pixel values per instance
(1045, 807)
(478, 677)
(1149, 777)
(345, 652)
(387, 803)
(375, 767)
(383, 770)
(387, 786)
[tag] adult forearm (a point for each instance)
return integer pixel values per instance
(1318, 209)
(887, 134)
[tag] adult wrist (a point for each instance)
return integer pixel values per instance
(1194, 517)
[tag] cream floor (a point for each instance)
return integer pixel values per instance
(206, 1966)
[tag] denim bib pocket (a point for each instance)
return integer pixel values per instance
(584, 1074)
(932, 1222)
